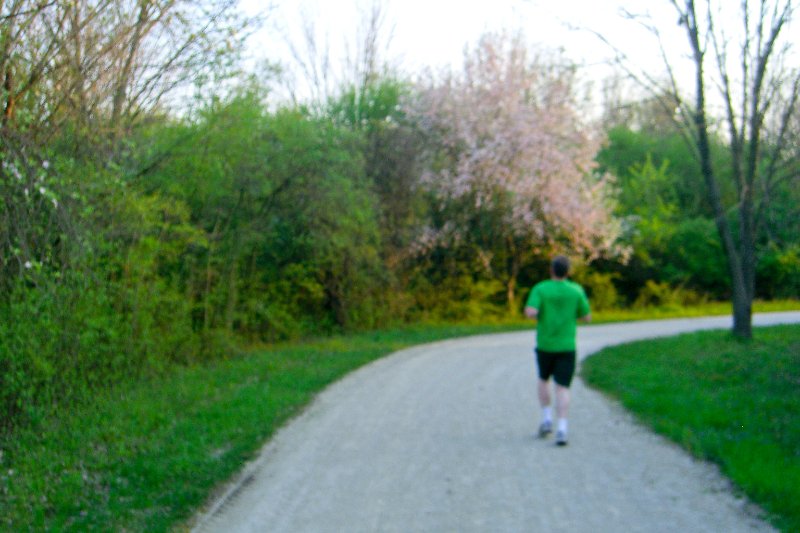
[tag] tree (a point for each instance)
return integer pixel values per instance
(325, 72)
(99, 65)
(512, 169)
(668, 225)
(88, 288)
(745, 89)
(76, 77)
(291, 236)
(391, 147)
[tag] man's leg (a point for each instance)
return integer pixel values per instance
(544, 393)
(545, 363)
(563, 378)
(562, 410)
(562, 402)
(546, 427)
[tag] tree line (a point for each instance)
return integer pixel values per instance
(161, 209)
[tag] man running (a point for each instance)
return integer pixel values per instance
(558, 304)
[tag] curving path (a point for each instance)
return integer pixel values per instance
(439, 438)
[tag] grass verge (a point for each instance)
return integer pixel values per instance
(144, 457)
(733, 402)
(675, 311)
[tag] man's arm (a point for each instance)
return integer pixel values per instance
(584, 310)
(533, 303)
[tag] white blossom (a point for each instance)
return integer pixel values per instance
(514, 143)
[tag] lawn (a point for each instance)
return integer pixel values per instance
(733, 402)
(146, 456)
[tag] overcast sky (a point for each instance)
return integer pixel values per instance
(433, 33)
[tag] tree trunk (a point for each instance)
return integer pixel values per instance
(742, 313)
(207, 309)
(742, 297)
(8, 86)
(232, 293)
(232, 296)
(513, 274)
(742, 304)
(511, 296)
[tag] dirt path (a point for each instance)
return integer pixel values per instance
(439, 438)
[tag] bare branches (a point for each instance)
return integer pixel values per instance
(97, 63)
(313, 59)
(325, 69)
(364, 60)
(15, 11)
(748, 65)
(664, 90)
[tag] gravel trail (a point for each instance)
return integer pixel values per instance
(440, 438)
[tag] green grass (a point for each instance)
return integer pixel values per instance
(736, 403)
(706, 309)
(146, 456)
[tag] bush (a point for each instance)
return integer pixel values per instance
(778, 273)
(59, 342)
(663, 295)
(64, 336)
(459, 299)
(694, 256)
(599, 287)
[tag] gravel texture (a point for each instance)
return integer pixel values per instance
(440, 438)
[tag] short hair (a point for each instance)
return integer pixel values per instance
(560, 266)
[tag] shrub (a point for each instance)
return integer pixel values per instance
(69, 335)
(59, 342)
(778, 273)
(661, 294)
(694, 256)
(599, 287)
(461, 299)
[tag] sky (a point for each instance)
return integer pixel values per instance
(433, 33)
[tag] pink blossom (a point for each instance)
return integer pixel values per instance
(510, 138)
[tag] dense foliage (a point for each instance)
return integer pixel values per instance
(671, 230)
(139, 230)
(511, 165)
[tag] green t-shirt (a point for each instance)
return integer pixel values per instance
(560, 304)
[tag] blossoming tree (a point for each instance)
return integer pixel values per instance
(511, 162)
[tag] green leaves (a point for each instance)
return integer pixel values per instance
(278, 196)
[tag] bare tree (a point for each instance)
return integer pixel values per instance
(101, 64)
(312, 57)
(745, 89)
(322, 71)
(365, 57)
(90, 69)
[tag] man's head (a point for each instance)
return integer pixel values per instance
(560, 266)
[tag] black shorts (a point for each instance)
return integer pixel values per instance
(560, 365)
